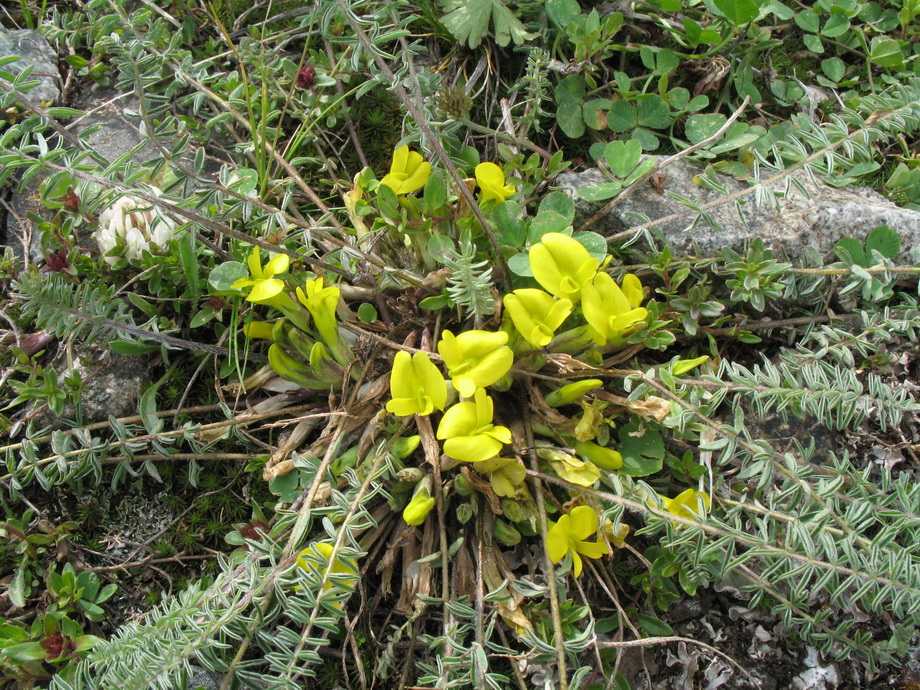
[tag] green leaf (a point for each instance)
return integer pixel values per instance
(569, 94)
(547, 221)
(18, 590)
(885, 241)
(203, 316)
(367, 313)
(808, 20)
(850, 250)
(561, 12)
(223, 276)
(519, 265)
(594, 243)
(148, 408)
(440, 247)
(190, 266)
(388, 202)
(738, 12)
(813, 43)
(653, 112)
(643, 168)
(142, 304)
(435, 193)
(623, 156)
(511, 230)
(642, 455)
(700, 127)
(27, 651)
(560, 203)
(737, 142)
(468, 21)
(886, 52)
(600, 192)
(836, 26)
(622, 117)
(653, 626)
(435, 302)
(833, 68)
(594, 112)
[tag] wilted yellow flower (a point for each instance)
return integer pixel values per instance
(610, 313)
(416, 384)
(491, 181)
(562, 265)
(536, 314)
(505, 474)
(408, 172)
(468, 432)
(475, 359)
(570, 533)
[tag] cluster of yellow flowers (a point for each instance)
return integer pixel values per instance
(308, 350)
(477, 359)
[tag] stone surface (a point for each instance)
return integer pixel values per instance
(34, 52)
(819, 221)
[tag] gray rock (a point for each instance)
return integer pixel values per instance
(116, 128)
(38, 54)
(202, 678)
(111, 384)
(819, 221)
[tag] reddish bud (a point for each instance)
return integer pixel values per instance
(305, 77)
(71, 201)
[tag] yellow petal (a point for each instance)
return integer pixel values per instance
(278, 264)
(265, 290)
(255, 265)
(472, 448)
(259, 329)
(459, 420)
(557, 539)
(417, 510)
(400, 160)
(584, 522)
(632, 288)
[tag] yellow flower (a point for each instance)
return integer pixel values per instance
(536, 314)
(475, 359)
(416, 385)
(690, 504)
(612, 312)
(468, 432)
(562, 265)
(265, 287)
(408, 172)
(321, 302)
(570, 533)
(491, 181)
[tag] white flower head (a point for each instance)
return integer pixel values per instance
(137, 223)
